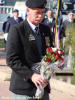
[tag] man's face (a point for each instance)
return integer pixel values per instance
(35, 16)
(71, 16)
(15, 14)
(50, 14)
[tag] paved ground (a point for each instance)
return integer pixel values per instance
(5, 94)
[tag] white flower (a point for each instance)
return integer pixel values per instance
(54, 49)
(59, 52)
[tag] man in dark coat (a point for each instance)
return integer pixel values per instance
(25, 48)
(13, 20)
(50, 22)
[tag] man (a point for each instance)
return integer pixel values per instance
(68, 21)
(13, 20)
(24, 48)
(4, 30)
(50, 22)
(65, 25)
(50, 18)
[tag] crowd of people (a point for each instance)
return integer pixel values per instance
(49, 21)
(26, 42)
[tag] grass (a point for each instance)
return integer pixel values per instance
(1, 43)
(73, 70)
(74, 60)
(73, 81)
(71, 29)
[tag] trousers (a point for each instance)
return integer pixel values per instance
(25, 97)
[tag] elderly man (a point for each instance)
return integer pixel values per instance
(26, 47)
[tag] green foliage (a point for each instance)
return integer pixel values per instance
(74, 60)
(68, 40)
(1, 43)
(73, 72)
(70, 34)
(73, 81)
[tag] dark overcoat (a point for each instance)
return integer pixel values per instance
(12, 22)
(21, 53)
(51, 26)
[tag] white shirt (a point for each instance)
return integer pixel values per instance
(16, 19)
(32, 26)
(50, 19)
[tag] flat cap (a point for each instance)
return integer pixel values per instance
(36, 3)
(15, 10)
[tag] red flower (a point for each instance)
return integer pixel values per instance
(53, 55)
(48, 59)
(57, 57)
(49, 50)
(56, 52)
(61, 53)
(60, 58)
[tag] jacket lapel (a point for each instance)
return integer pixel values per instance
(42, 39)
(29, 32)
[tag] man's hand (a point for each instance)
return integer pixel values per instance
(38, 79)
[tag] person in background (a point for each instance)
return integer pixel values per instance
(20, 19)
(13, 20)
(24, 49)
(66, 23)
(3, 28)
(50, 22)
(69, 20)
(65, 26)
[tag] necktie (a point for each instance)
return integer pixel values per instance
(17, 20)
(37, 30)
(38, 39)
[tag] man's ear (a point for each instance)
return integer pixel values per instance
(27, 9)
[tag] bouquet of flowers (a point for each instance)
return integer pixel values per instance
(53, 55)
(53, 58)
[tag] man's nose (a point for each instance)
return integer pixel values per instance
(40, 15)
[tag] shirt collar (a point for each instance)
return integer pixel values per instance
(15, 18)
(32, 25)
(50, 19)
